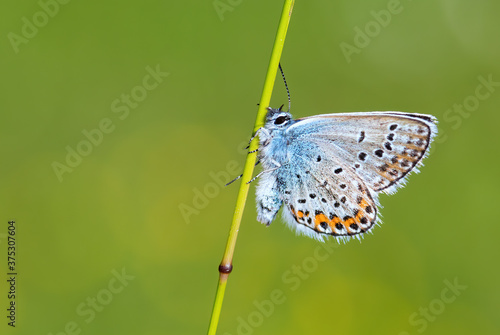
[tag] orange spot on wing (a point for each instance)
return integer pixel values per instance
(358, 216)
(397, 165)
(335, 220)
(320, 218)
(413, 147)
(348, 222)
(294, 214)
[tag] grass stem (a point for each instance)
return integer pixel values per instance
(227, 259)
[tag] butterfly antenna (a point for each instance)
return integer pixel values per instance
(286, 86)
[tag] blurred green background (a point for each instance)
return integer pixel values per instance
(126, 239)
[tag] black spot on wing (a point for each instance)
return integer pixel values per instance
(361, 136)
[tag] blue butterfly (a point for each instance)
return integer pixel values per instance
(327, 170)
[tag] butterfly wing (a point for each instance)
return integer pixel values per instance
(331, 168)
(382, 147)
(322, 196)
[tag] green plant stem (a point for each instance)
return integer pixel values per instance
(226, 264)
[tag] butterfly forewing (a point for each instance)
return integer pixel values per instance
(382, 147)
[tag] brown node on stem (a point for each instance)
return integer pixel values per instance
(225, 268)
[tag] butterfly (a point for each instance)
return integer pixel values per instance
(327, 171)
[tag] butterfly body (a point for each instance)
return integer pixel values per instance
(327, 170)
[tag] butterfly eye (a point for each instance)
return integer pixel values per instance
(281, 119)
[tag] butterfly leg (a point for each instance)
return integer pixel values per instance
(278, 165)
(254, 136)
(260, 130)
(241, 175)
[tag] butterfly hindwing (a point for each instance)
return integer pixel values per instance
(320, 194)
(324, 201)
